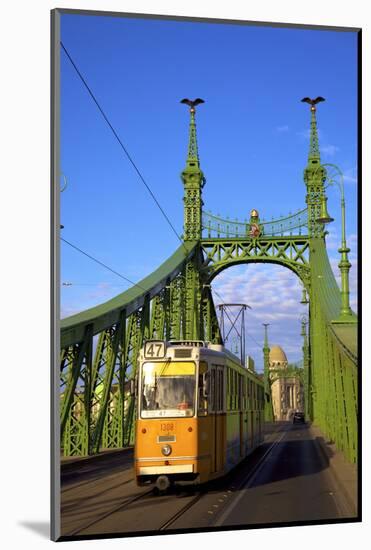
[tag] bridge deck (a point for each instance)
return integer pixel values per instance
(301, 478)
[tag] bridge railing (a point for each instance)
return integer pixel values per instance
(334, 380)
(293, 224)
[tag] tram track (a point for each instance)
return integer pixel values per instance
(72, 487)
(176, 516)
(117, 508)
(126, 503)
(244, 482)
(68, 507)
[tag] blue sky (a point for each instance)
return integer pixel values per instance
(253, 144)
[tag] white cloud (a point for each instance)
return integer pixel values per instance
(350, 175)
(274, 295)
(329, 150)
(281, 129)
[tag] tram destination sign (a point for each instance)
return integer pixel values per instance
(154, 349)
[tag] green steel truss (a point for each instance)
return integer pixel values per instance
(99, 346)
(97, 410)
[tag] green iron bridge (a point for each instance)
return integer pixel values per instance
(99, 346)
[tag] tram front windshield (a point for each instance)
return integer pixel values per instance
(168, 389)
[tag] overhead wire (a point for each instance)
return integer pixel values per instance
(69, 283)
(102, 264)
(252, 338)
(256, 342)
(83, 80)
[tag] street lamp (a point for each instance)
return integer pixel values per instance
(304, 299)
(304, 322)
(65, 182)
(346, 314)
(306, 380)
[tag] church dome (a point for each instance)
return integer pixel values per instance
(277, 355)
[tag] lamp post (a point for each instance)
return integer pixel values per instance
(346, 314)
(307, 408)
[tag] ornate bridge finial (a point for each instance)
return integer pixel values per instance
(313, 102)
(192, 146)
(314, 146)
(193, 103)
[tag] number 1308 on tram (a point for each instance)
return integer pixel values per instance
(199, 413)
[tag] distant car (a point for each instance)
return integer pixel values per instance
(298, 417)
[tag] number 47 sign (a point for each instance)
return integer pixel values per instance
(154, 349)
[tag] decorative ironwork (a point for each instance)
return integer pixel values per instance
(291, 252)
(293, 224)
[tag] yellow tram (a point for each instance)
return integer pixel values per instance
(200, 412)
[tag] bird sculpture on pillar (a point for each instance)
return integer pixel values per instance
(313, 102)
(193, 103)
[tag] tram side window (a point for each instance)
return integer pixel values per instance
(234, 390)
(202, 398)
(212, 391)
(259, 398)
(220, 389)
(255, 397)
(228, 389)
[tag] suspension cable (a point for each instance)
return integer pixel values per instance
(120, 142)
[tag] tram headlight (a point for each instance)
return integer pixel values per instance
(166, 450)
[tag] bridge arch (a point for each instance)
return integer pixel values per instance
(302, 272)
(290, 252)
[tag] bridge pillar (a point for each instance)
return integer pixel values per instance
(193, 181)
(314, 178)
